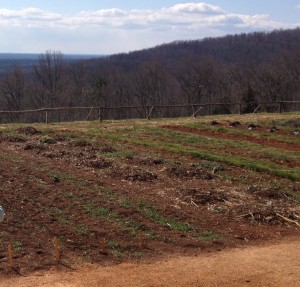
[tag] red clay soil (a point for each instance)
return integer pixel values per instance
(74, 190)
(259, 140)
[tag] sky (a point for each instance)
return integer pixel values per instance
(116, 26)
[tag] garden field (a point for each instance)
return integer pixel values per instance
(139, 191)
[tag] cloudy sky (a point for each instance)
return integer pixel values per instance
(112, 26)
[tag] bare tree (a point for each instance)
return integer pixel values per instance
(12, 87)
(49, 74)
(197, 78)
(78, 87)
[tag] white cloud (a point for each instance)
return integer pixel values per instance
(116, 30)
(201, 8)
(191, 14)
(27, 15)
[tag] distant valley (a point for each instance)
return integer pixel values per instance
(10, 60)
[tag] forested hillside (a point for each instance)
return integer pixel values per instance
(247, 68)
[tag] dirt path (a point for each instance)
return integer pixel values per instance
(274, 265)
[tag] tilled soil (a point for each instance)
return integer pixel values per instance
(109, 204)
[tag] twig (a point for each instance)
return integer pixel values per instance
(247, 215)
(193, 203)
(56, 250)
(67, 266)
(18, 272)
(297, 216)
(287, 219)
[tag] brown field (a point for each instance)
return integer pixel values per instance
(142, 191)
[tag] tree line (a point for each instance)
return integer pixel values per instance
(247, 68)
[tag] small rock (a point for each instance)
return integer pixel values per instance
(268, 218)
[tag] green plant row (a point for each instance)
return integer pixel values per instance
(182, 148)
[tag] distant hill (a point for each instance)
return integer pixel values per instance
(254, 47)
(258, 47)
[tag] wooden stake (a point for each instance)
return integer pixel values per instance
(56, 250)
(10, 255)
(102, 246)
(141, 240)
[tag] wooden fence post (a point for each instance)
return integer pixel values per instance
(280, 107)
(46, 117)
(150, 112)
(100, 114)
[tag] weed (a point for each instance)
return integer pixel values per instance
(216, 167)
(218, 209)
(152, 214)
(125, 204)
(63, 220)
(58, 211)
(47, 139)
(151, 235)
(137, 254)
(82, 229)
(56, 178)
(18, 246)
(209, 236)
(92, 208)
(119, 253)
(295, 195)
(62, 217)
(113, 244)
(86, 256)
(221, 130)
(69, 195)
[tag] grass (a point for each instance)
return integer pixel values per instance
(152, 214)
(47, 139)
(113, 244)
(137, 254)
(213, 150)
(209, 236)
(247, 133)
(61, 214)
(119, 253)
(92, 208)
(82, 229)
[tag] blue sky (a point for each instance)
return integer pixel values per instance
(105, 27)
